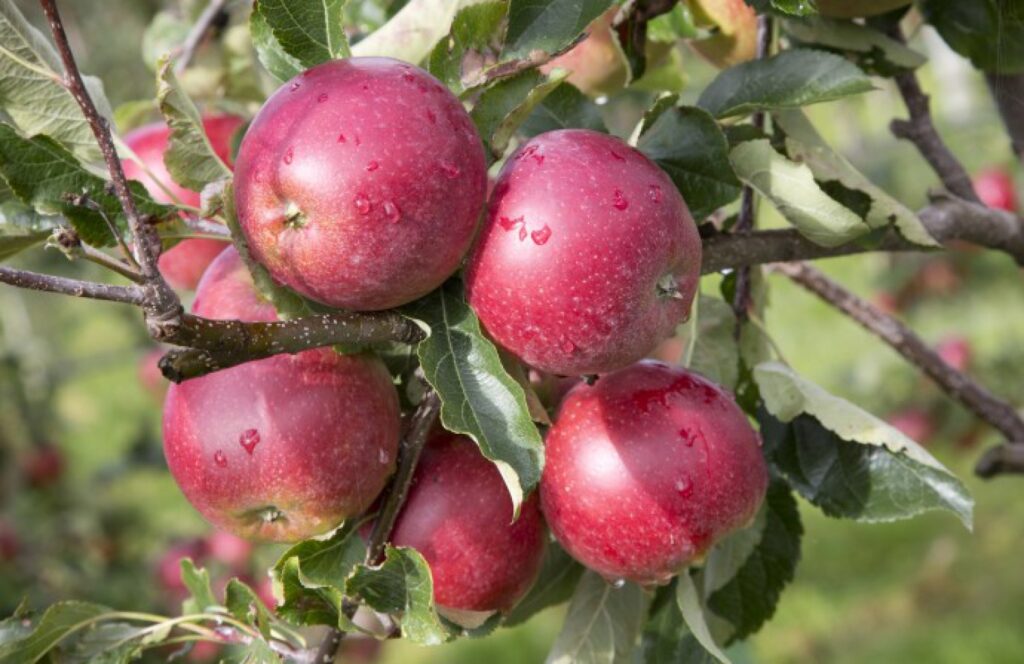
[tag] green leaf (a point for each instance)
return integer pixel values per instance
(874, 51)
(791, 188)
(243, 603)
(312, 576)
(22, 228)
(555, 583)
(459, 60)
(689, 601)
(310, 31)
(197, 580)
(805, 145)
(133, 114)
(846, 461)
(57, 623)
(602, 625)
(31, 92)
(478, 397)
(547, 26)
(412, 33)
(790, 7)
(715, 353)
(792, 78)
(270, 52)
(109, 643)
(674, 25)
(164, 35)
(506, 104)
(564, 108)
(43, 174)
(241, 73)
(258, 651)
(666, 639)
(688, 145)
(988, 32)
(190, 159)
(402, 584)
(744, 574)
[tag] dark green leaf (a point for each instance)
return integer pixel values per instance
(564, 108)
(478, 397)
(687, 143)
(547, 26)
(690, 602)
(555, 583)
(790, 79)
(310, 31)
(57, 622)
(269, 51)
(603, 623)
(845, 460)
(786, 7)
(245, 605)
(988, 32)
(402, 585)
(43, 174)
(667, 640)
(506, 104)
(197, 580)
(459, 60)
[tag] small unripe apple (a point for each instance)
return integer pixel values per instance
(597, 63)
(735, 25)
(459, 517)
(996, 190)
(858, 8)
(282, 448)
(648, 468)
(360, 182)
(183, 264)
(589, 256)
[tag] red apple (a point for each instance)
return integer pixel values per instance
(229, 549)
(168, 567)
(648, 468)
(183, 264)
(43, 466)
(914, 423)
(995, 189)
(282, 448)
(956, 352)
(149, 374)
(597, 63)
(10, 544)
(360, 182)
(459, 516)
(589, 256)
(265, 591)
(858, 8)
(735, 26)
(205, 651)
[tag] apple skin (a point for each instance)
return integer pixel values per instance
(150, 377)
(995, 189)
(282, 448)
(360, 182)
(183, 264)
(459, 517)
(858, 8)
(646, 469)
(581, 229)
(597, 63)
(229, 549)
(736, 39)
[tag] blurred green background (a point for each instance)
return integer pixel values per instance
(87, 508)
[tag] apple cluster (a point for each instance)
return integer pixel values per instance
(362, 184)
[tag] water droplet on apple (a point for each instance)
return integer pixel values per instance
(687, 437)
(383, 456)
(432, 117)
(289, 155)
(617, 584)
(372, 166)
(321, 98)
(363, 205)
(295, 86)
(220, 459)
(450, 170)
(617, 156)
(409, 77)
(522, 232)
(249, 439)
(619, 200)
(684, 487)
(541, 235)
(654, 193)
(392, 212)
(508, 224)
(341, 138)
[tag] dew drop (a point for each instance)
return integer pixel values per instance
(522, 232)
(392, 212)
(249, 439)
(654, 193)
(295, 86)
(509, 224)
(358, 142)
(321, 98)
(289, 156)
(617, 156)
(383, 456)
(432, 117)
(687, 437)
(684, 487)
(366, 86)
(619, 201)
(541, 235)
(342, 139)
(220, 459)
(618, 584)
(409, 76)
(363, 205)
(450, 170)
(528, 152)
(372, 166)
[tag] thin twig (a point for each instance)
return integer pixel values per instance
(73, 287)
(920, 130)
(959, 386)
(198, 33)
(745, 223)
(1008, 92)
(68, 241)
(418, 430)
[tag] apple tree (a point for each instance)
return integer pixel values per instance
(449, 339)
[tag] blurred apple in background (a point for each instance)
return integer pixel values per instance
(735, 25)
(995, 189)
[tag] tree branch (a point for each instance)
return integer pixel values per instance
(920, 130)
(959, 386)
(73, 287)
(1008, 92)
(420, 425)
(947, 219)
(219, 344)
(210, 15)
